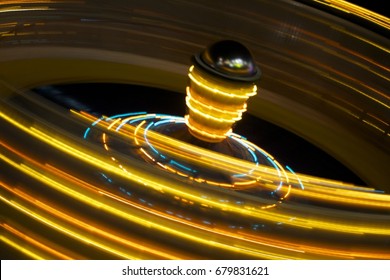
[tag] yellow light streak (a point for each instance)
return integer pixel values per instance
(319, 250)
(244, 96)
(348, 7)
(257, 213)
(329, 225)
(20, 248)
(56, 226)
(188, 154)
(24, 9)
(136, 245)
(115, 211)
(214, 106)
(313, 185)
(35, 243)
(124, 242)
(193, 105)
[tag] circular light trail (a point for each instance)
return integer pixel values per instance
(188, 164)
(80, 186)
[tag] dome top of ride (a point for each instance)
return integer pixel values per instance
(229, 59)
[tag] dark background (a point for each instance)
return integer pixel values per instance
(378, 6)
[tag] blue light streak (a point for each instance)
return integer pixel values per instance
(292, 171)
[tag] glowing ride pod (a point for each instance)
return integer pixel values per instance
(220, 82)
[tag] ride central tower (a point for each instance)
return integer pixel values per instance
(221, 80)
